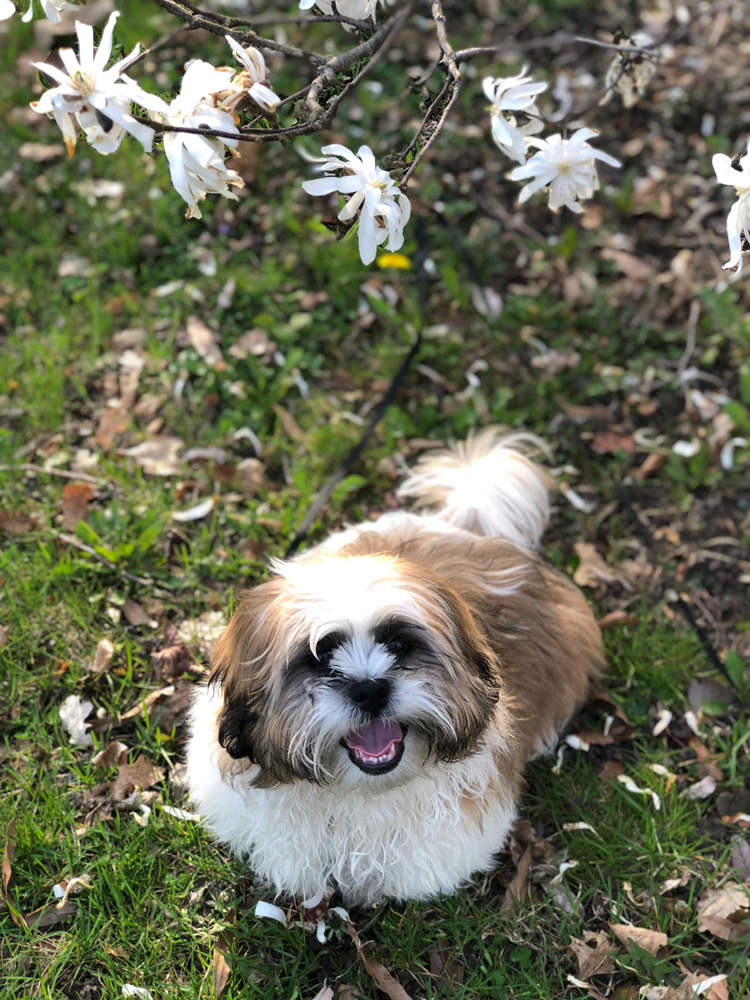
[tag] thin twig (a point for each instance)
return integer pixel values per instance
(81, 477)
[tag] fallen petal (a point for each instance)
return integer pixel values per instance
(263, 909)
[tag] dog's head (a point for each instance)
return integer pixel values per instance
(345, 666)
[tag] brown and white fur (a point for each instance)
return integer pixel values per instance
(372, 706)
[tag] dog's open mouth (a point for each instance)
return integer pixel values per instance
(377, 747)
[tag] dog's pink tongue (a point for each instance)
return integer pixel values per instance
(375, 738)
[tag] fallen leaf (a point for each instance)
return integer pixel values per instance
(725, 912)
(219, 972)
(40, 152)
(650, 941)
(701, 789)
(741, 856)
(290, 425)
(580, 826)
(159, 456)
(102, 657)
(615, 618)
(611, 770)
(75, 504)
(382, 977)
(651, 464)
(592, 952)
(142, 774)
(113, 421)
(134, 612)
(518, 888)
(700, 692)
(203, 340)
(255, 342)
(129, 990)
(608, 442)
(632, 267)
(592, 569)
(113, 753)
(8, 854)
(3, 636)
(13, 522)
(445, 969)
(251, 472)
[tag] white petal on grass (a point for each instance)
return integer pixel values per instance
(129, 990)
(73, 713)
(576, 743)
(486, 301)
(587, 506)
(263, 909)
(564, 867)
(727, 452)
(181, 814)
(560, 754)
(58, 891)
(665, 717)
(692, 722)
(313, 901)
(687, 449)
(252, 437)
(145, 816)
(320, 931)
(701, 789)
(608, 723)
(200, 510)
(631, 786)
(661, 770)
(581, 826)
(339, 911)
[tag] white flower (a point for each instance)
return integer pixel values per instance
(510, 95)
(359, 10)
(565, 165)
(255, 87)
(738, 220)
(196, 162)
(51, 10)
(73, 714)
(102, 96)
(384, 210)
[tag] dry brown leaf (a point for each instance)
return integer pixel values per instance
(14, 522)
(592, 569)
(725, 912)
(741, 857)
(592, 953)
(445, 968)
(50, 915)
(326, 993)
(148, 702)
(255, 342)
(608, 442)
(113, 421)
(611, 770)
(134, 612)
(382, 977)
(3, 636)
(8, 854)
(289, 424)
(251, 473)
(142, 774)
(75, 504)
(742, 820)
(205, 344)
(159, 456)
(652, 463)
(41, 152)
(102, 657)
(632, 267)
(650, 941)
(219, 972)
(113, 753)
(615, 618)
(518, 889)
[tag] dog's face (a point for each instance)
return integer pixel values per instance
(351, 668)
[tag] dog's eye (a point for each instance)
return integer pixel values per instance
(398, 647)
(322, 662)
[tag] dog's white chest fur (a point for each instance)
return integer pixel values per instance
(413, 840)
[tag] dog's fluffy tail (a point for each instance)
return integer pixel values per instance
(487, 485)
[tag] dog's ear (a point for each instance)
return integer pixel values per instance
(242, 666)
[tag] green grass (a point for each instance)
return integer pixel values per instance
(161, 895)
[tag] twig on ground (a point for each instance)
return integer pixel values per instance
(81, 477)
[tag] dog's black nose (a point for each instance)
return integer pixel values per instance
(370, 695)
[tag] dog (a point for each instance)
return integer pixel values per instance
(371, 706)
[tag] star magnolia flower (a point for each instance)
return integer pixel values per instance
(738, 220)
(509, 95)
(51, 10)
(565, 165)
(196, 162)
(359, 10)
(255, 87)
(384, 210)
(87, 88)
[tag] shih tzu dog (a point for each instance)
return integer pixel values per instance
(372, 705)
